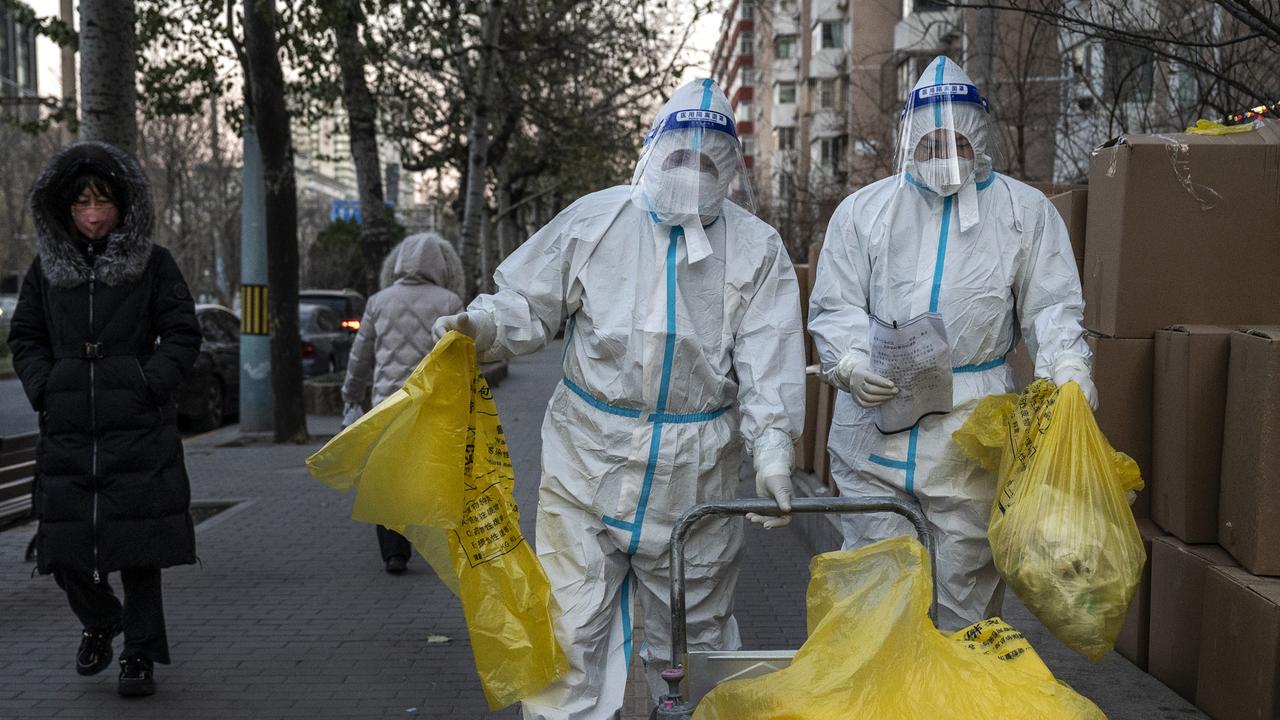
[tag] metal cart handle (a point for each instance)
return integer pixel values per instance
(761, 506)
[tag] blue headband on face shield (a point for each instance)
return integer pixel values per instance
(699, 119)
(950, 92)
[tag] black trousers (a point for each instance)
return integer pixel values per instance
(141, 614)
(393, 544)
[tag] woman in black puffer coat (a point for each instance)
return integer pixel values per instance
(104, 330)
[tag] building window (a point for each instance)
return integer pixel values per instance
(786, 92)
(745, 10)
(1128, 72)
(748, 146)
(786, 138)
(827, 93)
(831, 35)
(26, 70)
(784, 47)
(831, 152)
(920, 6)
(909, 70)
(742, 113)
(786, 186)
(745, 41)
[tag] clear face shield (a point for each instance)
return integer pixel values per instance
(692, 162)
(945, 139)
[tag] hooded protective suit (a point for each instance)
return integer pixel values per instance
(992, 257)
(683, 344)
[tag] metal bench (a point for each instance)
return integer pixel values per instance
(17, 479)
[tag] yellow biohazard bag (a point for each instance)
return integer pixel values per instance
(1213, 127)
(1061, 530)
(872, 652)
(431, 462)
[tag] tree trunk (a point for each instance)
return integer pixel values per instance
(378, 224)
(271, 118)
(510, 199)
(69, 92)
(108, 73)
(477, 150)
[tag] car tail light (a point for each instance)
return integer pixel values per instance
(308, 350)
(352, 325)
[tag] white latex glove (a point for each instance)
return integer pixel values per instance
(478, 326)
(1080, 376)
(868, 388)
(351, 412)
(777, 487)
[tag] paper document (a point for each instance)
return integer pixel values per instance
(915, 355)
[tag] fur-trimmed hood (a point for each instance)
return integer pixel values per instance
(128, 247)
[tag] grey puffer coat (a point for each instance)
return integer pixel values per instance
(395, 333)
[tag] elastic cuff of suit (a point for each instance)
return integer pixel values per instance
(773, 453)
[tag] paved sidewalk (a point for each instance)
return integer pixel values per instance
(291, 615)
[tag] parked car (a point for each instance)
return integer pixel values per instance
(210, 395)
(348, 305)
(325, 342)
(8, 303)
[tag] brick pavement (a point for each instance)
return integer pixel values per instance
(291, 615)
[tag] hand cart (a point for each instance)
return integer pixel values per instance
(705, 669)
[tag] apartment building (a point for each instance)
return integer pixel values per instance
(813, 73)
(818, 85)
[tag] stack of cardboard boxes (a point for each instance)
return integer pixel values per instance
(1182, 295)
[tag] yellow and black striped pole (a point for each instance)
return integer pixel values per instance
(253, 310)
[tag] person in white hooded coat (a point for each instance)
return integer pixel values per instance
(946, 235)
(683, 345)
(423, 283)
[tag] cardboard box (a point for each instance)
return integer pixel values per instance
(1178, 573)
(1073, 207)
(1122, 370)
(804, 280)
(1239, 646)
(1190, 398)
(1249, 500)
(1182, 229)
(826, 409)
(1051, 189)
(1133, 639)
(805, 445)
(810, 349)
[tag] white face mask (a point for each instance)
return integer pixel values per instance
(671, 192)
(945, 176)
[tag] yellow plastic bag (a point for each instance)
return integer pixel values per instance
(1061, 530)
(872, 652)
(431, 462)
(1213, 127)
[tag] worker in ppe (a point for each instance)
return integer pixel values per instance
(683, 345)
(987, 258)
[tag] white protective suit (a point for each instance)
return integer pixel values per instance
(678, 352)
(994, 259)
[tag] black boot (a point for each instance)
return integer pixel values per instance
(396, 564)
(136, 678)
(95, 651)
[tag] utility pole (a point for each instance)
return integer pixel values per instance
(256, 408)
